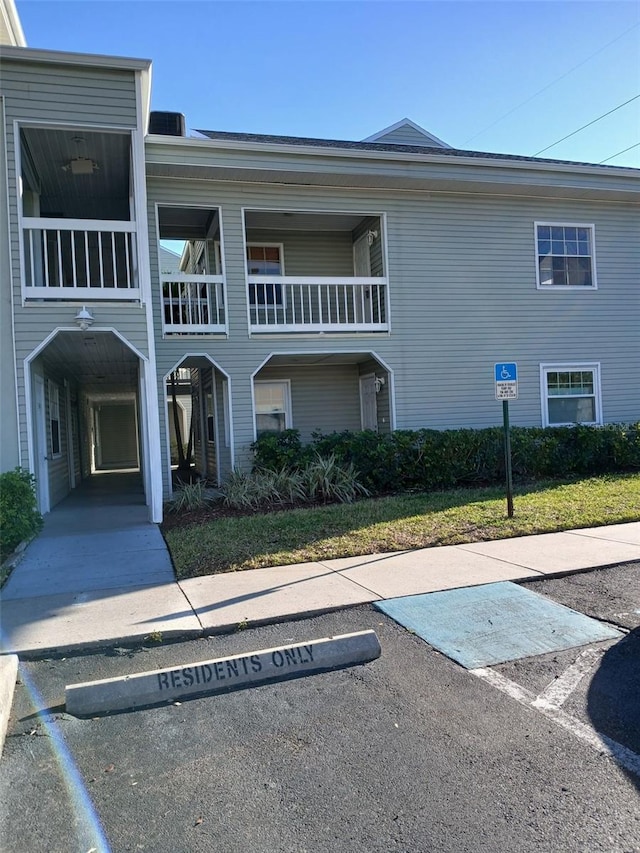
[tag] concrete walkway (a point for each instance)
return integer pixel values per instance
(113, 583)
(97, 570)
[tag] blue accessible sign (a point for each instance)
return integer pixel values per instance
(506, 375)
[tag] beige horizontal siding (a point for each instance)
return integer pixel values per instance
(324, 399)
(96, 96)
(463, 295)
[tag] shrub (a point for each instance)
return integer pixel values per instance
(189, 496)
(429, 459)
(322, 479)
(19, 516)
(262, 488)
(275, 450)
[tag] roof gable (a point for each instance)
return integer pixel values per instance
(407, 132)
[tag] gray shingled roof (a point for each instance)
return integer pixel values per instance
(386, 146)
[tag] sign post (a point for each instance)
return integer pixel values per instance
(506, 376)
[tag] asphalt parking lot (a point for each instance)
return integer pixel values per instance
(410, 752)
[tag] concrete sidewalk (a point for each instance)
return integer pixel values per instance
(62, 621)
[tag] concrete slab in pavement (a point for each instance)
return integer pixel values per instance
(557, 552)
(74, 621)
(222, 602)
(426, 570)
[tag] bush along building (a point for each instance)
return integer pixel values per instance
(161, 289)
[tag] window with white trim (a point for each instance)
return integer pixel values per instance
(273, 406)
(571, 394)
(265, 260)
(54, 418)
(565, 255)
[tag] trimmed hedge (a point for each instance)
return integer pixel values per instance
(19, 516)
(427, 459)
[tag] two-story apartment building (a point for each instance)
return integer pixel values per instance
(318, 284)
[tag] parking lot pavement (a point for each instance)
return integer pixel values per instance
(408, 753)
(597, 685)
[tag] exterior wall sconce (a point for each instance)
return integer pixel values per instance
(84, 318)
(371, 236)
(380, 382)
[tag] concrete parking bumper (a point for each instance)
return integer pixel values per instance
(221, 675)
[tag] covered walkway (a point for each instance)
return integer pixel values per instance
(99, 537)
(98, 563)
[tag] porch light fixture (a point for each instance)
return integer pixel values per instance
(371, 236)
(84, 318)
(380, 381)
(80, 165)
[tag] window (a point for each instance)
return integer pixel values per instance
(565, 255)
(273, 406)
(54, 418)
(265, 260)
(571, 394)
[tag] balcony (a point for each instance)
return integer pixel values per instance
(317, 304)
(80, 260)
(192, 304)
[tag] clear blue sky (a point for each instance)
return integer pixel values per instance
(342, 69)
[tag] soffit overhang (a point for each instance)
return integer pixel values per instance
(195, 159)
(560, 188)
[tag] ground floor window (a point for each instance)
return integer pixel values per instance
(273, 406)
(571, 394)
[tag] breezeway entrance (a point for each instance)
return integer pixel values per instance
(87, 398)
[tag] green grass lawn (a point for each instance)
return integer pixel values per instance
(398, 523)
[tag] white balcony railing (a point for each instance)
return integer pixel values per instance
(317, 304)
(80, 259)
(193, 304)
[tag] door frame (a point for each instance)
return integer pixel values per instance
(368, 377)
(41, 444)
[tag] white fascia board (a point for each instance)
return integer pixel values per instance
(59, 57)
(12, 21)
(400, 156)
(145, 100)
(406, 122)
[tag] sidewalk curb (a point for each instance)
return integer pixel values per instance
(8, 677)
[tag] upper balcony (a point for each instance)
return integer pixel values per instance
(79, 259)
(315, 272)
(191, 279)
(78, 221)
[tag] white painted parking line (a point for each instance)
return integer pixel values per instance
(143, 689)
(557, 693)
(600, 743)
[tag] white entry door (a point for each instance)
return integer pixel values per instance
(361, 268)
(41, 460)
(368, 403)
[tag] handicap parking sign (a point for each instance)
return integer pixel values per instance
(506, 371)
(506, 376)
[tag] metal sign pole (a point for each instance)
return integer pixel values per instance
(507, 457)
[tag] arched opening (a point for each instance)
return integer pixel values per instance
(198, 429)
(89, 419)
(323, 392)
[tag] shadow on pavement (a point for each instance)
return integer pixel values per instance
(613, 701)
